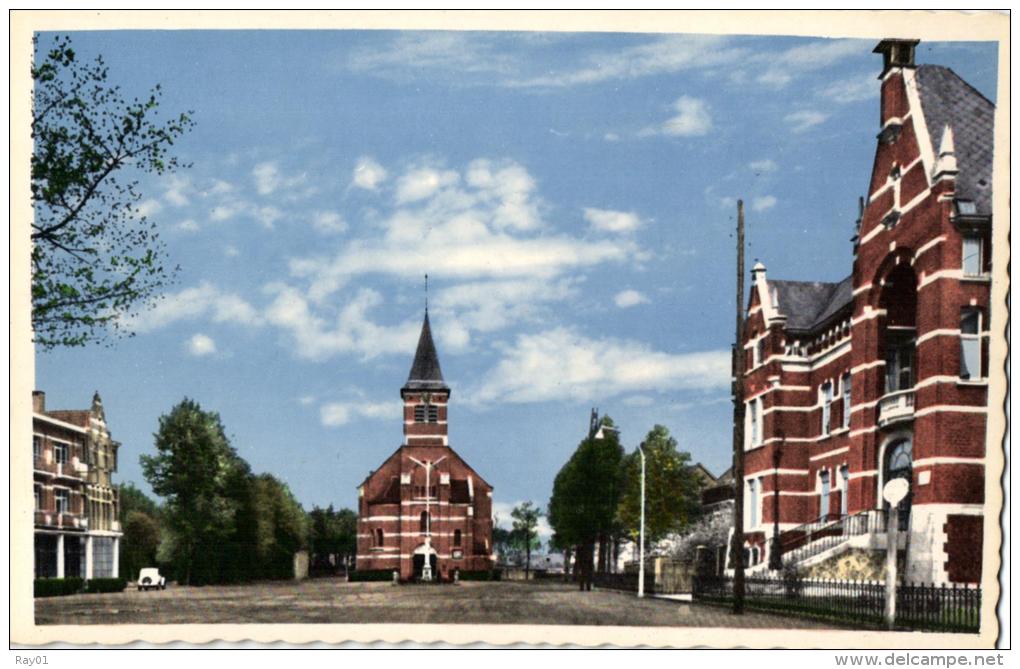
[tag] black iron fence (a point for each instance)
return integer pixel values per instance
(941, 608)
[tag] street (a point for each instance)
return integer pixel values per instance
(336, 601)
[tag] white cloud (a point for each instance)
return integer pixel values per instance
(201, 345)
(147, 208)
(267, 177)
(608, 220)
(638, 401)
(218, 187)
(805, 119)
(176, 190)
(316, 337)
(421, 183)
(692, 119)
(368, 174)
(564, 364)
(763, 203)
(335, 414)
(204, 300)
(188, 225)
(662, 55)
(231, 251)
(764, 166)
(853, 89)
(306, 400)
(784, 67)
(476, 227)
(629, 298)
(268, 216)
(487, 306)
(411, 53)
(223, 212)
(611, 137)
(328, 222)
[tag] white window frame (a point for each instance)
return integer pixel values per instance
(62, 494)
(847, 399)
(58, 448)
(825, 392)
(980, 255)
(752, 507)
(968, 340)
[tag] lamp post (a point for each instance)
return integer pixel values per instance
(775, 555)
(426, 570)
(641, 530)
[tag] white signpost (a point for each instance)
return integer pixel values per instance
(894, 491)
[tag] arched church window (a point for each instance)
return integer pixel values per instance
(424, 522)
(379, 537)
(456, 537)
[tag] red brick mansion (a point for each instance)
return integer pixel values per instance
(77, 531)
(425, 513)
(884, 374)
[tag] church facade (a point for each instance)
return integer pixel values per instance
(884, 374)
(425, 513)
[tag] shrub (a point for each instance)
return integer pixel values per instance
(57, 587)
(105, 585)
(371, 575)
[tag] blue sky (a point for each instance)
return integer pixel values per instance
(572, 197)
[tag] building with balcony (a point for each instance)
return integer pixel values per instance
(77, 532)
(425, 513)
(884, 374)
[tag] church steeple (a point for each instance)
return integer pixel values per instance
(425, 371)
(425, 395)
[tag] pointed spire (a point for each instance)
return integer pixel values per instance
(425, 371)
(945, 164)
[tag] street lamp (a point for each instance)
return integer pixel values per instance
(641, 532)
(775, 555)
(426, 570)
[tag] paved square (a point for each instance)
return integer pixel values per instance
(336, 601)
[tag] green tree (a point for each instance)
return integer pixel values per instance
(672, 488)
(95, 255)
(586, 493)
(140, 521)
(526, 517)
(131, 498)
(140, 543)
(281, 527)
(194, 469)
(333, 537)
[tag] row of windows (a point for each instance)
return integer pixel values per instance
(755, 507)
(380, 537)
(419, 491)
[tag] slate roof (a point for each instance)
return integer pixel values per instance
(810, 304)
(946, 99)
(425, 372)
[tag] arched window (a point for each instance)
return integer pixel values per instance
(379, 537)
(456, 537)
(899, 464)
(424, 522)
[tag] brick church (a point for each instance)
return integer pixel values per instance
(425, 513)
(884, 374)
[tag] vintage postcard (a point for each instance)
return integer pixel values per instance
(664, 329)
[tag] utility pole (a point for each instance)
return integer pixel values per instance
(737, 548)
(641, 534)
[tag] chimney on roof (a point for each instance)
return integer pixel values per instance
(896, 53)
(38, 401)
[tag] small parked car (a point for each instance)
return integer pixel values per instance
(150, 578)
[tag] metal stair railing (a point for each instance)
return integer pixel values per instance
(811, 539)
